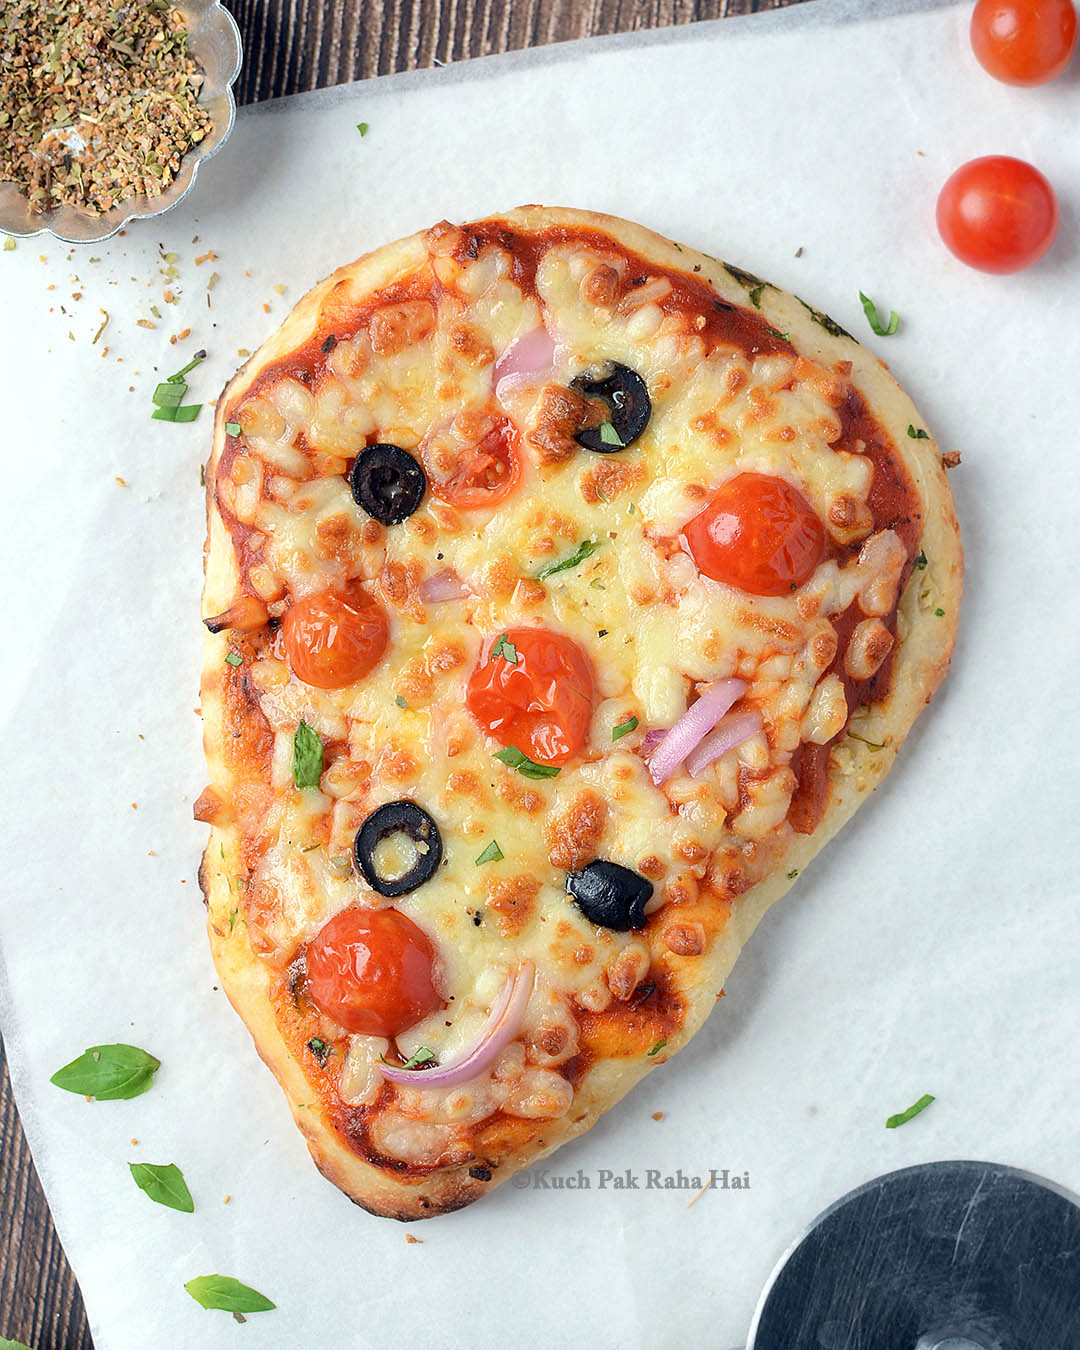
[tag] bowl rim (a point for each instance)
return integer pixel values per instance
(198, 159)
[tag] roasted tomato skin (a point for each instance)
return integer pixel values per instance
(758, 534)
(997, 214)
(1024, 42)
(334, 638)
(541, 702)
(372, 971)
(486, 474)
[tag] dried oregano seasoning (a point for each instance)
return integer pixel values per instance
(98, 100)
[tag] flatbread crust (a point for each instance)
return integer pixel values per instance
(921, 660)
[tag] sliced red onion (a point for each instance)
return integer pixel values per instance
(497, 1032)
(444, 585)
(524, 358)
(696, 722)
(726, 735)
(652, 739)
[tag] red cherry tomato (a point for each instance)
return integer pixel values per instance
(487, 473)
(332, 638)
(997, 214)
(371, 970)
(540, 701)
(1023, 41)
(758, 534)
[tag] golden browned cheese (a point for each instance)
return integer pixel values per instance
(402, 349)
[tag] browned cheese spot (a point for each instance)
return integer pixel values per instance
(513, 902)
(573, 835)
(397, 326)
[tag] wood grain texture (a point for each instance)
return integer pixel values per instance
(290, 46)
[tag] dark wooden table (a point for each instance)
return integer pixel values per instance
(291, 45)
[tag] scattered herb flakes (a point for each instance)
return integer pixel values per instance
(155, 311)
(196, 360)
(920, 561)
(755, 296)
(609, 435)
(164, 1183)
(232, 428)
(101, 329)
(903, 1117)
(234, 659)
(585, 550)
(362, 128)
(793, 874)
(658, 1047)
(820, 317)
(319, 1049)
(108, 1073)
(227, 1294)
(232, 919)
(493, 853)
(422, 1055)
(745, 279)
(504, 648)
(307, 759)
(870, 310)
(401, 700)
(516, 759)
(917, 435)
(103, 99)
(9, 244)
(624, 729)
(940, 613)
(775, 332)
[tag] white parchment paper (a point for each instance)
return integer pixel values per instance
(932, 948)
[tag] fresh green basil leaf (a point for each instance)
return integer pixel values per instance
(362, 128)
(506, 649)
(515, 759)
(170, 394)
(422, 1056)
(610, 436)
(658, 1047)
(920, 561)
(870, 310)
(586, 550)
(624, 729)
(222, 1291)
(307, 757)
(234, 659)
(164, 1183)
(187, 412)
(232, 428)
(493, 853)
(904, 1116)
(919, 435)
(108, 1073)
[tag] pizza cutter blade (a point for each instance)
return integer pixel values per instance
(944, 1256)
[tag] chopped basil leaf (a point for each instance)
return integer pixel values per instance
(108, 1072)
(904, 1116)
(744, 278)
(232, 428)
(870, 310)
(178, 378)
(422, 1056)
(506, 649)
(401, 701)
(515, 759)
(624, 729)
(940, 613)
(493, 853)
(232, 919)
(170, 394)
(164, 1183)
(755, 296)
(819, 316)
(234, 659)
(919, 435)
(609, 435)
(586, 550)
(775, 332)
(920, 561)
(658, 1046)
(187, 412)
(222, 1291)
(362, 128)
(319, 1049)
(307, 757)
(793, 874)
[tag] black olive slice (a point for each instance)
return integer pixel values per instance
(398, 818)
(388, 483)
(610, 895)
(627, 395)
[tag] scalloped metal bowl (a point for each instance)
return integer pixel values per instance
(214, 42)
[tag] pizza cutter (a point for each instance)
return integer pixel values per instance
(944, 1256)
